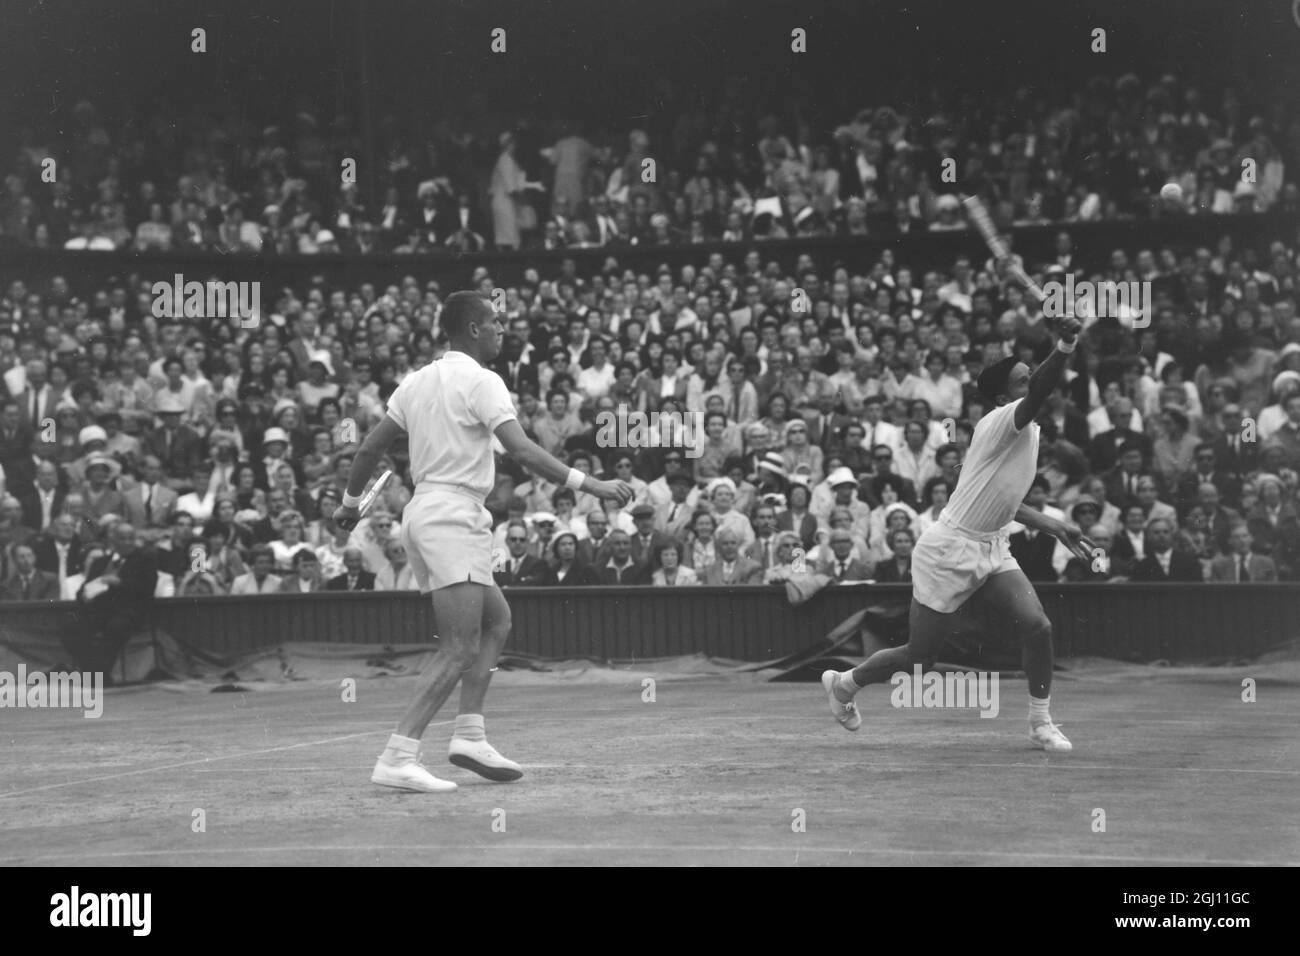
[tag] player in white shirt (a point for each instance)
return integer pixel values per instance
(967, 549)
(450, 410)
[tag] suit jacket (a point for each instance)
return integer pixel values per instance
(1034, 557)
(1258, 567)
(533, 572)
(1182, 567)
(45, 407)
(743, 573)
(680, 523)
(161, 505)
(31, 503)
(593, 556)
(758, 551)
(365, 582)
(580, 575)
(47, 555)
(1116, 483)
(887, 572)
(292, 584)
(42, 587)
(186, 450)
(855, 571)
(634, 573)
(1228, 485)
(139, 576)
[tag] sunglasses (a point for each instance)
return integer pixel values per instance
(884, 457)
(517, 540)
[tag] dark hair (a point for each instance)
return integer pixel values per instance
(992, 382)
(461, 310)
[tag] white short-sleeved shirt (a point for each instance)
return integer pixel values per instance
(999, 468)
(450, 409)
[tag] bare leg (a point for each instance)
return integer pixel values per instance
(1012, 596)
(458, 610)
(927, 630)
(495, 631)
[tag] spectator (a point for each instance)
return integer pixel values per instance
(896, 569)
(731, 568)
(669, 571)
(1162, 562)
(1240, 565)
(258, 579)
(520, 568)
(355, 577)
(621, 568)
(397, 575)
(841, 564)
(569, 570)
(115, 600)
(305, 575)
(26, 581)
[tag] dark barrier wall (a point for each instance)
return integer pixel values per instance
(919, 251)
(1137, 622)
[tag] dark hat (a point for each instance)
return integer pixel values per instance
(643, 511)
(681, 478)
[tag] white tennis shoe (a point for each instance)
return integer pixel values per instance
(481, 757)
(1047, 736)
(407, 774)
(846, 714)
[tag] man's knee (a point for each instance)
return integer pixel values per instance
(1037, 629)
(460, 652)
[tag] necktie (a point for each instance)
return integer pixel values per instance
(1242, 573)
(843, 570)
(148, 504)
(27, 588)
(673, 514)
(514, 567)
(36, 409)
(735, 404)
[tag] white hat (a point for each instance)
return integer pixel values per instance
(841, 476)
(91, 433)
(275, 434)
(168, 402)
(717, 483)
(324, 236)
(112, 464)
(544, 517)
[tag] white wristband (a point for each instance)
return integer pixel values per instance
(574, 481)
(351, 501)
(1067, 349)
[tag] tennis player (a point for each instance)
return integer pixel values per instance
(967, 550)
(450, 410)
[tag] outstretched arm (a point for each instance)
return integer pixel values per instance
(1048, 374)
(1067, 532)
(541, 462)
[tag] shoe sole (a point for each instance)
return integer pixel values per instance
(495, 774)
(406, 789)
(830, 693)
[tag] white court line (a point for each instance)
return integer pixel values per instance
(194, 763)
(656, 848)
(1056, 764)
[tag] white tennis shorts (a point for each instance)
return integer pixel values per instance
(948, 565)
(448, 538)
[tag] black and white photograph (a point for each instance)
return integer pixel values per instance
(649, 433)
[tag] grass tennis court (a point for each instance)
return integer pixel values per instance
(710, 773)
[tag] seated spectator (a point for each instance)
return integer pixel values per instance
(568, 569)
(897, 568)
(26, 581)
(115, 600)
(520, 567)
(305, 575)
(397, 575)
(1240, 565)
(621, 568)
(1162, 562)
(258, 579)
(668, 569)
(731, 568)
(841, 565)
(355, 577)
(290, 542)
(722, 497)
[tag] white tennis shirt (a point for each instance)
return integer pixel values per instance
(450, 409)
(999, 468)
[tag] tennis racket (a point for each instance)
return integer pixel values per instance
(979, 215)
(368, 499)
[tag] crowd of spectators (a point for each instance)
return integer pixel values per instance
(818, 440)
(723, 171)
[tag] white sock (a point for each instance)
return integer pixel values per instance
(1038, 710)
(469, 727)
(846, 684)
(401, 748)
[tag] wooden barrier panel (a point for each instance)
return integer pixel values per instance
(1137, 622)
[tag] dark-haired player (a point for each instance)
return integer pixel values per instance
(451, 409)
(967, 550)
